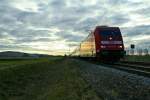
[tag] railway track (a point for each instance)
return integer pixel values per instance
(142, 69)
(136, 63)
(136, 69)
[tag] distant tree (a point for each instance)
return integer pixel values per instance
(26, 55)
(145, 51)
(127, 52)
(139, 51)
(132, 52)
(65, 55)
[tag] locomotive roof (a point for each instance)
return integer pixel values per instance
(104, 27)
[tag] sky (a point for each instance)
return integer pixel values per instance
(58, 26)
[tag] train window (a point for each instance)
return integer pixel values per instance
(107, 34)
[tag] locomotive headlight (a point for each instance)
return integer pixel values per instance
(102, 46)
(110, 38)
(120, 46)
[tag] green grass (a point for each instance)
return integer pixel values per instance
(138, 58)
(43, 79)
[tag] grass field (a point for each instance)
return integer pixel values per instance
(138, 58)
(43, 79)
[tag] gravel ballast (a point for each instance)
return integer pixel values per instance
(113, 84)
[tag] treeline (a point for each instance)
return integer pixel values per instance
(138, 51)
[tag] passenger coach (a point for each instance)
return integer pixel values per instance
(104, 43)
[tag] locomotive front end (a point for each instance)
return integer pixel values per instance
(109, 43)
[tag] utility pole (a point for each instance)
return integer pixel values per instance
(69, 50)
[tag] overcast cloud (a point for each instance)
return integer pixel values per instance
(54, 26)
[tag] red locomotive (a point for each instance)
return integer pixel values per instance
(104, 43)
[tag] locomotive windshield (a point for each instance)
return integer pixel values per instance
(110, 34)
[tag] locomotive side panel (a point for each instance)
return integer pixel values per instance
(97, 40)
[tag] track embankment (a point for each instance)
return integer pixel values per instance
(114, 84)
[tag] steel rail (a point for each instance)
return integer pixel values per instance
(134, 69)
(136, 63)
(139, 70)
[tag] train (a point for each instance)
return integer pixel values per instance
(104, 44)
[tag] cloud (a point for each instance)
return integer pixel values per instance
(70, 36)
(138, 35)
(136, 30)
(40, 24)
(144, 11)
